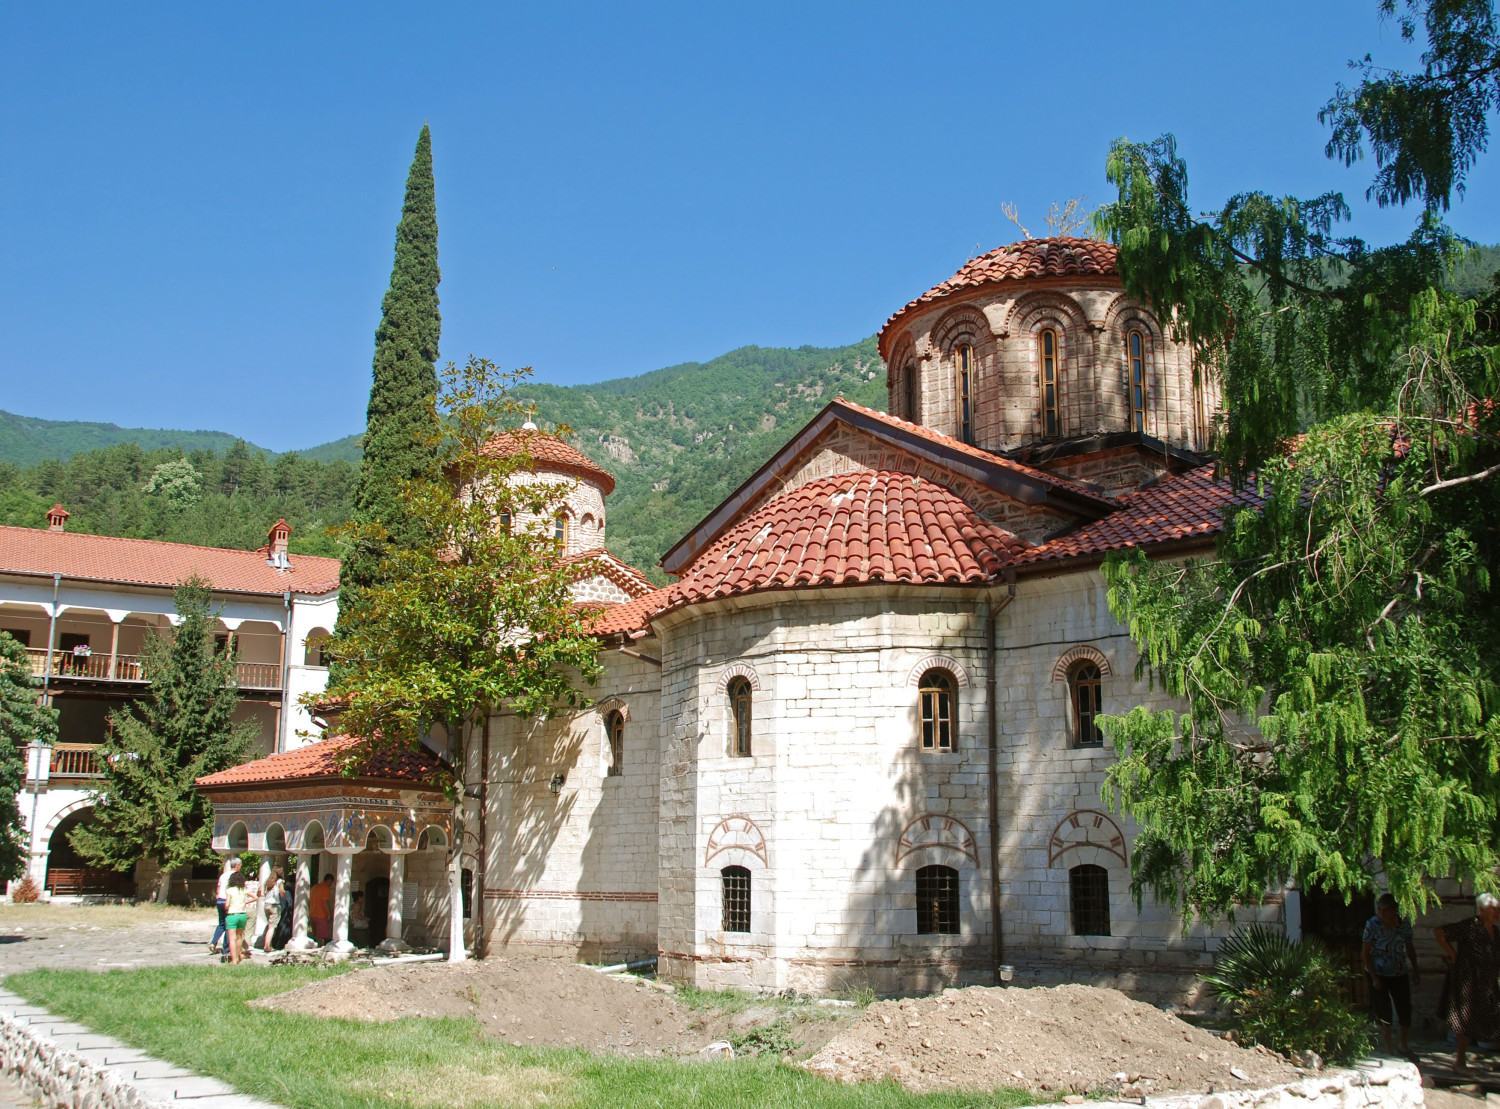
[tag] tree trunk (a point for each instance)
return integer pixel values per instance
(163, 883)
(458, 752)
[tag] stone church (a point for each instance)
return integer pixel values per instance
(855, 742)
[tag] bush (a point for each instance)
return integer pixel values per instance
(25, 891)
(1287, 996)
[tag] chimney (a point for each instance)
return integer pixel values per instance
(276, 539)
(57, 518)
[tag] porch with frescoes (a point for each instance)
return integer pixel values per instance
(383, 831)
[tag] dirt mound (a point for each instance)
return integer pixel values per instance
(526, 1001)
(1063, 1039)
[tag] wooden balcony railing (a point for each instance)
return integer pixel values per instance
(74, 761)
(101, 667)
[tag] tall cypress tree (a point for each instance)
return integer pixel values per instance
(400, 443)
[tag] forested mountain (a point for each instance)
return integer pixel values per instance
(26, 440)
(678, 441)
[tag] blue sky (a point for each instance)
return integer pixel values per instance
(200, 200)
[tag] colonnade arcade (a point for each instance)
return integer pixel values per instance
(363, 825)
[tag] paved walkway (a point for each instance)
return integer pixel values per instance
(75, 946)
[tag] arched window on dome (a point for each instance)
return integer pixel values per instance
(909, 398)
(614, 728)
(1050, 375)
(1086, 685)
(1136, 350)
(963, 361)
(738, 693)
(939, 705)
(560, 528)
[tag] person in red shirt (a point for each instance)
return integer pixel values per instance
(320, 909)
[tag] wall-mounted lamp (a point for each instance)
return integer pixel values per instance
(557, 783)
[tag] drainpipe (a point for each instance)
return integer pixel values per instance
(998, 954)
(284, 714)
(41, 753)
(481, 943)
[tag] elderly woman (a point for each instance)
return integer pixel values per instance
(1471, 997)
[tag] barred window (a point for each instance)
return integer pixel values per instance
(614, 728)
(1088, 703)
(739, 707)
(938, 692)
(736, 898)
(1050, 374)
(937, 901)
(963, 359)
(1089, 891)
(1137, 381)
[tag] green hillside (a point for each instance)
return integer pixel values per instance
(678, 441)
(26, 440)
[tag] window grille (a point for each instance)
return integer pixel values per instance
(1137, 381)
(964, 357)
(1089, 888)
(614, 727)
(736, 898)
(937, 901)
(739, 707)
(1088, 703)
(1050, 375)
(939, 702)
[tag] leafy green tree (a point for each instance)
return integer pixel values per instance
(477, 618)
(147, 806)
(1338, 656)
(23, 721)
(177, 482)
(399, 431)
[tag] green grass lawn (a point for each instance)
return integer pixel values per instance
(196, 1017)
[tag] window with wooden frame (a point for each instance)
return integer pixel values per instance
(963, 361)
(560, 528)
(938, 693)
(736, 899)
(937, 901)
(1136, 347)
(1087, 689)
(909, 384)
(738, 692)
(1088, 890)
(614, 730)
(1050, 375)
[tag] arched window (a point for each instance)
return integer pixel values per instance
(1088, 702)
(1137, 343)
(939, 694)
(1088, 890)
(1051, 361)
(963, 359)
(614, 728)
(738, 692)
(736, 898)
(316, 641)
(560, 527)
(937, 901)
(909, 384)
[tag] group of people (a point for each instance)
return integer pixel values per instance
(1471, 992)
(236, 898)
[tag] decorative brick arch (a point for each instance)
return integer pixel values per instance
(938, 662)
(739, 670)
(1030, 309)
(1074, 655)
(1088, 832)
(935, 830)
(62, 814)
(962, 323)
(613, 704)
(736, 833)
(1123, 312)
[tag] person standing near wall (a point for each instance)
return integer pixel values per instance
(221, 933)
(1390, 958)
(1471, 995)
(320, 910)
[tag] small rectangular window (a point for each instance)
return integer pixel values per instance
(937, 901)
(1049, 382)
(1137, 382)
(965, 362)
(1089, 890)
(736, 898)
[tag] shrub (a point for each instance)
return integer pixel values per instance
(25, 891)
(1287, 996)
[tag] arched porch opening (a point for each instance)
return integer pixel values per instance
(69, 875)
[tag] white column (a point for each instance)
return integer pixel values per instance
(343, 884)
(393, 921)
(300, 895)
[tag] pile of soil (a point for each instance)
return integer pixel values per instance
(523, 1000)
(1062, 1039)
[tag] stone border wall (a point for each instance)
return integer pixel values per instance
(64, 1079)
(1374, 1083)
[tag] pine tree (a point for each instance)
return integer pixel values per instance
(147, 806)
(22, 721)
(400, 443)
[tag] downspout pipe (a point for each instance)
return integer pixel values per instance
(481, 942)
(997, 957)
(38, 753)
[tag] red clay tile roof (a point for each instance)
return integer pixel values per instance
(152, 562)
(548, 452)
(1029, 258)
(321, 761)
(632, 616)
(601, 562)
(1180, 507)
(979, 453)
